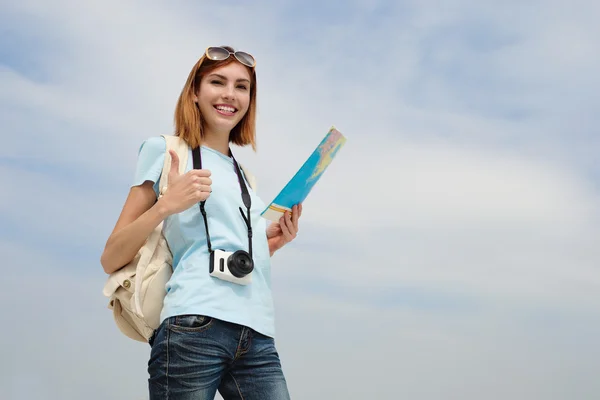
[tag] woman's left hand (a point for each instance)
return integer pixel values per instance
(281, 233)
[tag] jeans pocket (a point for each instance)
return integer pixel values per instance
(190, 323)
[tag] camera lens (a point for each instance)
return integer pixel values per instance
(240, 264)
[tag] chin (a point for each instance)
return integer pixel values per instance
(226, 127)
(222, 129)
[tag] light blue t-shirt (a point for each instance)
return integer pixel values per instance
(191, 290)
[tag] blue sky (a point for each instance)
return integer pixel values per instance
(450, 251)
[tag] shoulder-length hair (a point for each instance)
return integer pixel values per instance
(188, 119)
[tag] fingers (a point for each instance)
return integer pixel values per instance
(201, 183)
(203, 193)
(288, 227)
(200, 180)
(188, 189)
(194, 173)
(201, 173)
(297, 210)
(202, 188)
(285, 230)
(288, 223)
(295, 215)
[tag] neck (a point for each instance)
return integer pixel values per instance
(218, 142)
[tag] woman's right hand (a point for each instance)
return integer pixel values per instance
(183, 191)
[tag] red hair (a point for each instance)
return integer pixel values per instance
(188, 119)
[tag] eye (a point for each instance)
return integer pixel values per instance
(216, 82)
(243, 87)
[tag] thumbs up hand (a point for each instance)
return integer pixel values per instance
(185, 190)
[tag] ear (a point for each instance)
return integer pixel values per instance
(195, 94)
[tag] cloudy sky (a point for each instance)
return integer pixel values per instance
(450, 251)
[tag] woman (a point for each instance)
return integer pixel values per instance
(215, 334)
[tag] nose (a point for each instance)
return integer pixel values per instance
(229, 92)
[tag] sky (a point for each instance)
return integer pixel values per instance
(449, 251)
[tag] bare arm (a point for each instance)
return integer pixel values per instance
(141, 214)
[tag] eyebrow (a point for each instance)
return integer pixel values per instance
(224, 78)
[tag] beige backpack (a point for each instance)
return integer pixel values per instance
(137, 290)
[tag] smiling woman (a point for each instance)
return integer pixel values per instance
(234, 80)
(214, 75)
(217, 325)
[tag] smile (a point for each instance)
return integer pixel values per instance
(225, 109)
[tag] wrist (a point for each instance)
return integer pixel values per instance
(272, 247)
(162, 209)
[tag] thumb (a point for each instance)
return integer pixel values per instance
(174, 163)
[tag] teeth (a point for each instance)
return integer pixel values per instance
(226, 109)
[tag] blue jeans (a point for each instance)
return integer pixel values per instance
(193, 356)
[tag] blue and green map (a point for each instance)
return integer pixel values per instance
(298, 188)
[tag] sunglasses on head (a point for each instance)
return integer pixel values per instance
(220, 54)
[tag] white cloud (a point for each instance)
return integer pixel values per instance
(56, 211)
(465, 178)
(369, 353)
(64, 344)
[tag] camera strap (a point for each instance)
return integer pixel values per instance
(245, 199)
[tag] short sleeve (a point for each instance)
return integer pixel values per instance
(151, 156)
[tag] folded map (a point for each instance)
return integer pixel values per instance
(298, 188)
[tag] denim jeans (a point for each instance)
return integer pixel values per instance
(193, 356)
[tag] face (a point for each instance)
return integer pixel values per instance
(223, 98)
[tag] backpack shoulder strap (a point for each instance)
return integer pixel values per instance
(249, 177)
(181, 148)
